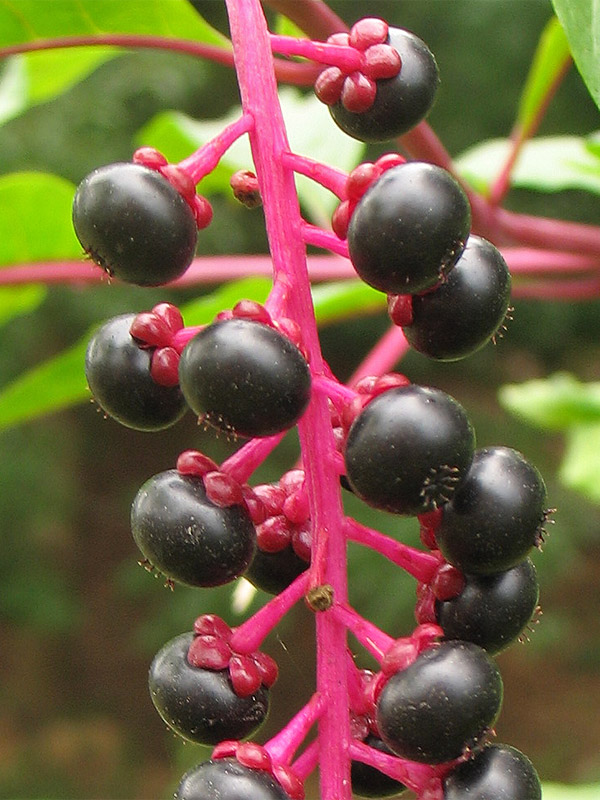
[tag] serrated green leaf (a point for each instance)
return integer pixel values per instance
(310, 131)
(580, 467)
(546, 164)
(52, 386)
(28, 20)
(581, 22)
(561, 791)
(551, 55)
(555, 403)
(18, 300)
(35, 223)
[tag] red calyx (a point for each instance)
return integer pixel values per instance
(246, 190)
(192, 462)
(164, 366)
(149, 157)
(367, 32)
(448, 582)
(250, 309)
(222, 490)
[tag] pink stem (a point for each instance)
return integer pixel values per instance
(180, 339)
(330, 177)
(244, 461)
(208, 156)
(283, 220)
(348, 59)
(333, 389)
(372, 638)
(288, 71)
(383, 357)
(418, 563)
(324, 239)
(284, 744)
(250, 634)
(412, 775)
(307, 762)
(314, 17)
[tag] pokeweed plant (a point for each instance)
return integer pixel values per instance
(420, 238)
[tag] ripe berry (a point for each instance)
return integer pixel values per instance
(273, 572)
(444, 702)
(226, 779)
(245, 378)
(400, 102)
(408, 449)
(134, 224)
(496, 514)
(409, 228)
(200, 704)
(491, 610)
(118, 374)
(498, 772)
(367, 781)
(188, 538)
(458, 316)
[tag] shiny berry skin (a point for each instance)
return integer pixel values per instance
(245, 378)
(496, 514)
(200, 704)
(459, 316)
(226, 779)
(134, 224)
(444, 702)
(400, 102)
(367, 781)
(188, 538)
(118, 374)
(273, 572)
(409, 228)
(408, 449)
(491, 610)
(498, 772)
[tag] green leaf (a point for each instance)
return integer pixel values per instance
(560, 791)
(28, 20)
(18, 300)
(546, 164)
(204, 310)
(52, 386)
(35, 224)
(555, 403)
(580, 467)
(551, 55)
(309, 127)
(344, 299)
(581, 22)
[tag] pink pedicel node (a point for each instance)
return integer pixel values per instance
(299, 527)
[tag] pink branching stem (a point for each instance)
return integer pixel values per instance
(413, 775)
(573, 237)
(418, 563)
(330, 177)
(528, 260)
(348, 59)
(277, 300)
(250, 634)
(268, 141)
(206, 158)
(372, 638)
(356, 687)
(300, 74)
(584, 289)
(284, 744)
(387, 352)
(307, 762)
(333, 389)
(520, 135)
(244, 461)
(325, 239)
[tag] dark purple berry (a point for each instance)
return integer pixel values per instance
(459, 316)
(408, 449)
(200, 704)
(491, 610)
(367, 781)
(273, 572)
(400, 102)
(188, 538)
(409, 228)
(245, 378)
(133, 223)
(118, 374)
(498, 772)
(226, 779)
(496, 514)
(443, 703)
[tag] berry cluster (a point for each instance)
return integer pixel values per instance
(424, 720)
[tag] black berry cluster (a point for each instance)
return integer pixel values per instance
(423, 721)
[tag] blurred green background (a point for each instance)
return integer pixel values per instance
(80, 621)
